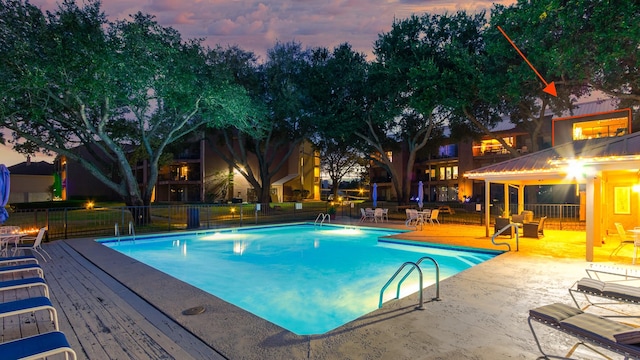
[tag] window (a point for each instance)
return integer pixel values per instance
(492, 146)
(442, 173)
(446, 151)
(599, 128)
(390, 156)
(455, 172)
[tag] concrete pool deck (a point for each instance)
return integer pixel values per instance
(482, 313)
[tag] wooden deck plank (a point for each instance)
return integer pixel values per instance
(103, 315)
(105, 320)
(100, 317)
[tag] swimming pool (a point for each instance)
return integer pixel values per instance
(304, 278)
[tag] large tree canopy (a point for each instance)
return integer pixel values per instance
(100, 92)
(283, 123)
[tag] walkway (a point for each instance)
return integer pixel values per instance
(482, 314)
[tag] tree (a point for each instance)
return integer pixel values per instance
(72, 79)
(338, 160)
(278, 88)
(581, 46)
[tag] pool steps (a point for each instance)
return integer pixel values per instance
(414, 266)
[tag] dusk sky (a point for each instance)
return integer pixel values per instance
(257, 25)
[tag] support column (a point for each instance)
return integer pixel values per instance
(507, 204)
(487, 206)
(520, 198)
(594, 212)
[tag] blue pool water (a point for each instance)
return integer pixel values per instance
(305, 278)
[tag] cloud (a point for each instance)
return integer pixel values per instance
(255, 25)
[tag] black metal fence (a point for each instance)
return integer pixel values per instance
(65, 223)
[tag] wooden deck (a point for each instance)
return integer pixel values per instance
(101, 318)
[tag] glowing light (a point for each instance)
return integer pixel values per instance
(225, 236)
(239, 247)
(575, 169)
(89, 205)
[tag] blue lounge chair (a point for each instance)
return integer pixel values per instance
(25, 283)
(29, 305)
(38, 347)
(4, 261)
(22, 268)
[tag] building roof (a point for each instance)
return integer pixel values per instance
(615, 151)
(32, 168)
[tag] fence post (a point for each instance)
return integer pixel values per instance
(65, 223)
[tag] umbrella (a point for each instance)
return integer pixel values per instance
(374, 194)
(4, 192)
(420, 194)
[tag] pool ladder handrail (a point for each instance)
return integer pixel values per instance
(414, 266)
(322, 217)
(417, 266)
(132, 231)
(515, 225)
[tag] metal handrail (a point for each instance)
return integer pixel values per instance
(322, 217)
(132, 231)
(517, 226)
(414, 265)
(437, 298)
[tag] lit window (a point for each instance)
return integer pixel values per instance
(442, 173)
(390, 156)
(599, 128)
(455, 172)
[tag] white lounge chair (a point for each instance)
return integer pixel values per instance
(36, 247)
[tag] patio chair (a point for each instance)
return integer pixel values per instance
(385, 214)
(534, 229)
(366, 214)
(22, 268)
(625, 239)
(518, 218)
(433, 216)
(378, 214)
(30, 305)
(412, 218)
(36, 247)
(501, 223)
(589, 329)
(38, 347)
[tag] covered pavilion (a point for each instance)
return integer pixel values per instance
(607, 168)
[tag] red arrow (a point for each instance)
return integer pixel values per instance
(550, 88)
